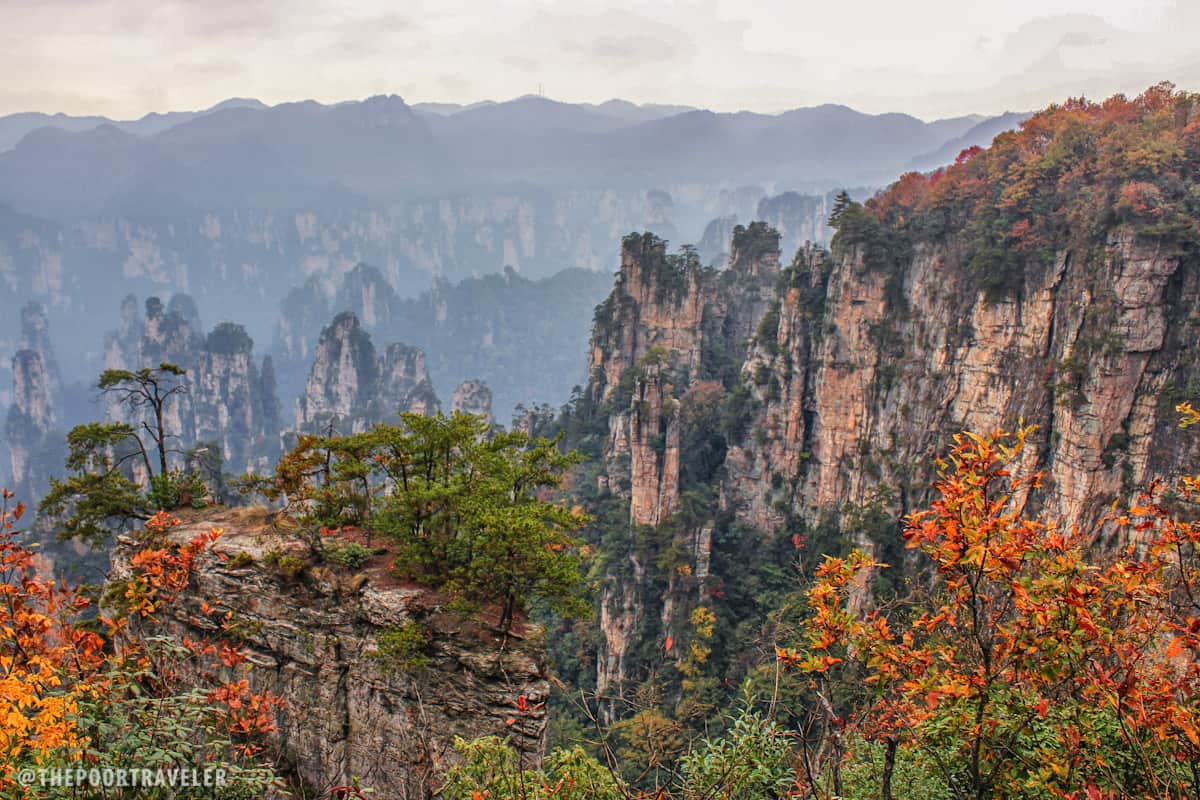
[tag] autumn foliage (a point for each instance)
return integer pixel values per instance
(43, 651)
(1036, 663)
(1078, 166)
(1067, 178)
(109, 691)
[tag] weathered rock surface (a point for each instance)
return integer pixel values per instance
(668, 325)
(230, 399)
(32, 421)
(352, 711)
(472, 397)
(844, 380)
(356, 388)
(865, 393)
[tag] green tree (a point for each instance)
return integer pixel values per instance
(467, 509)
(100, 495)
(145, 393)
(840, 204)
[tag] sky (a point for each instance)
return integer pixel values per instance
(930, 58)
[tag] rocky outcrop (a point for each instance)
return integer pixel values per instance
(534, 419)
(353, 388)
(472, 397)
(230, 401)
(367, 293)
(301, 315)
(1091, 349)
(32, 421)
(234, 401)
(843, 378)
(670, 325)
(653, 449)
(356, 706)
(405, 384)
(658, 302)
(799, 218)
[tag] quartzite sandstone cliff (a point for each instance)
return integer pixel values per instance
(843, 381)
(353, 710)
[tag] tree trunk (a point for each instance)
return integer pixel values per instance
(506, 616)
(162, 437)
(889, 766)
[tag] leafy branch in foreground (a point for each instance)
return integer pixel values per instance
(116, 695)
(1037, 666)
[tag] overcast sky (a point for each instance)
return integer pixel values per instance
(931, 58)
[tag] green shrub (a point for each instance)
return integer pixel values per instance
(175, 488)
(751, 761)
(350, 554)
(287, 567)
(403, 646)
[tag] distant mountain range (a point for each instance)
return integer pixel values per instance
(241, 203)
(979, 134)
(14, 127)
(244, 154)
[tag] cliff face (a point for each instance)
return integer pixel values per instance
(842, 379)
(354, 708)
(663, 342)
(32, 421)
(472, 397)
(235, 261)
(1091, 349)
(234, 400)
(668, 324)
(230, 400)
(350, 384)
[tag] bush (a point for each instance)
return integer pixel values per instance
(752, 761)
(350, 554)
(492, 768)
(175, 488)
(403, 646)
(287, 567)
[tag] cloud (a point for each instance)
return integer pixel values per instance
(452, 82)
(931, 58)
(523, 63)
(369, 36)
(610, 39)
(631, 50)
(1080, 39)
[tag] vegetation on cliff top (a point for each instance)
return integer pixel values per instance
(464, 509)
(1066, 178)
(100, 496)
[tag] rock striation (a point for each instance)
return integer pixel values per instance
(354, 708)
(669, 326)
(841, 379)
(31, 427)
(352, 387)
(865, 393)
